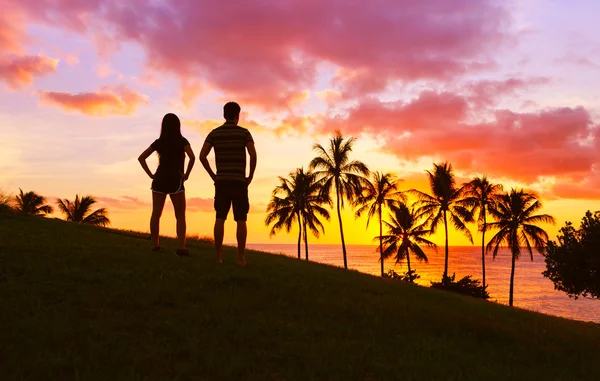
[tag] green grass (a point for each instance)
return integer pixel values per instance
(82, 303)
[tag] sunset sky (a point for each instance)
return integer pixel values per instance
(503, 88)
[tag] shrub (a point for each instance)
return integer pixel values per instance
(409, 276)
(465, 286)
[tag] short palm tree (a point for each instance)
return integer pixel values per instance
(336, 171)
(405, 235)
(481, 195)
(80, 210)
(381, 191)
(311, 207)
(283, 210)
(297, 199)
(32, 203)
(516, 225)
(445, 202)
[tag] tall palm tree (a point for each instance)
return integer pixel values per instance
(297, 199)
(80, 210)
(481, 195)
(381, 191)
(445, 202)
(336, 171)
(32, 203)
(515, 221)
(405, 235)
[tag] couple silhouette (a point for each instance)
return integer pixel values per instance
(230, 143)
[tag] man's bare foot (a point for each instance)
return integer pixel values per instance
(219, 260)
(241, 262)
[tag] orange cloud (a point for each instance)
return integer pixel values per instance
(199, 204)
(189, 92)
(11, 27)
(117, 100)
(290, 125)
(123, 203)
(19, 72)
(72, 59)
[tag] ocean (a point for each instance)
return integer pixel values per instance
(532, 290)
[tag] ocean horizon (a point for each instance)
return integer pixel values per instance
(532, 291)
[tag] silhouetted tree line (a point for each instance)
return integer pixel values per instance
(78, 210)
(301, 198)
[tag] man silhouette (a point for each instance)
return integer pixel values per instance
(230, 142)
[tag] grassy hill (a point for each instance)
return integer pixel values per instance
(82, 303)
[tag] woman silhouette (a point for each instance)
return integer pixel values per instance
(169, 177)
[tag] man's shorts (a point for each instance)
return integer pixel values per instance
(231, 192)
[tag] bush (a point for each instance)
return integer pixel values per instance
(6, 205)
(573, 263)
(409, 276)
(465, 286)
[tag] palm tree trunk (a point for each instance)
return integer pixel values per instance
(408, 260)
(483, 247)
(381, 241)
(299, 234)
(512, 281)
(446, 260)
(305, 241)
(337, 194)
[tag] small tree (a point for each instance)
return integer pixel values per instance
(6, 204)
(31, 203)
(573, 263)
(80, 211)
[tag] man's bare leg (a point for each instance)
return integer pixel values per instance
(241, 235)
(219, 231)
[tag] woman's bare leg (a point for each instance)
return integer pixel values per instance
(178, 200)
(158, 203)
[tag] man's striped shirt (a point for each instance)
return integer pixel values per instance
(229, 142)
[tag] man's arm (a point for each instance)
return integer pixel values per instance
(252, 152)
(204, 159)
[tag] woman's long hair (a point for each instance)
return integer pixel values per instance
(170, 129)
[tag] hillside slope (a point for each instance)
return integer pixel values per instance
(93, 304)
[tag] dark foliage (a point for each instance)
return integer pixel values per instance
(409, 276)
(465, 286)
(573, 263)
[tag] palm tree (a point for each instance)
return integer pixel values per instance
(405, 234)
(381, 191)
(80, 211)
(334, 169)
(297, 199)
(482, 195)
(515, 220)
(446, 201)
(311, 208)
(32, 203)
(284, 208)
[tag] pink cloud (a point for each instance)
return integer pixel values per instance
(19, 72)
(577, 60)
(266, 53)
(118, 100)
(561, 142)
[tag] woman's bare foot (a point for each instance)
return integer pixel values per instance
(241, 262)
(219, 260)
